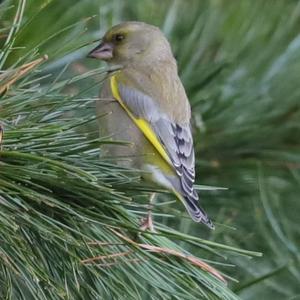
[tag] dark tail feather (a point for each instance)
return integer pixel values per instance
(195, 211)
(190, 200)
(198, 214)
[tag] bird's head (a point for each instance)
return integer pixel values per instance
(132, 43)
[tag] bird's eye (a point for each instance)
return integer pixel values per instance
(119, 37)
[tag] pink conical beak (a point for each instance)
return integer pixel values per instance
(103, 51)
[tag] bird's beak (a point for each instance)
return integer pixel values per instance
(103, 51)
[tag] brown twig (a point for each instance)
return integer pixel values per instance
(98, 243)
(105, 265)
(104, 257)
(18, 73)
(193, 260)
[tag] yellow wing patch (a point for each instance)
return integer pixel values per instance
(142, 124)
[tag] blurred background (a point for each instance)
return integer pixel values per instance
(240, 64)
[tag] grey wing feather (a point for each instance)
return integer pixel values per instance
(139, 104)
(178, 142)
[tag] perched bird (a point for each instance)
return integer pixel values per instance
(146, 105)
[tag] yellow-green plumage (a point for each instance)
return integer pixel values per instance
(146, 105)
(141, 123)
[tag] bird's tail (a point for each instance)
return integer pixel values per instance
(191, 204)
(188, 196)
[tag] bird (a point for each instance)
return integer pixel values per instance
(145, 105)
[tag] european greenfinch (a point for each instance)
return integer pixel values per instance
(146, 105)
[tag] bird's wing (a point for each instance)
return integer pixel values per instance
(174, 142)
